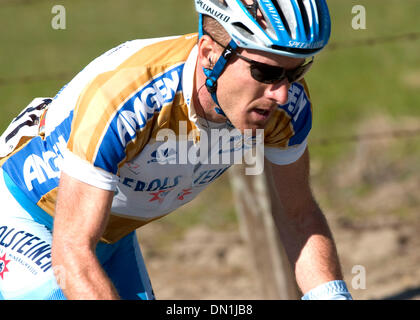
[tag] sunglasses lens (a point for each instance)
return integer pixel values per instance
(271, 74)
(267, 74)
(298, 73)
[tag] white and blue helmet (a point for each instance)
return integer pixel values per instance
(293, 28)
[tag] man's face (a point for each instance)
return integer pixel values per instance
(248, 103)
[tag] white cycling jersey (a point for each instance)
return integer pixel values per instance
(102, 128)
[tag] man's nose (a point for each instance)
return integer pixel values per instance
(278, 92)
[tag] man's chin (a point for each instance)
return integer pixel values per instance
(251, 126)
(251, 123)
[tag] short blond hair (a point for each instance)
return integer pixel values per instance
(215, 29)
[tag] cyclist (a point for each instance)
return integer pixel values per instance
(93, 158)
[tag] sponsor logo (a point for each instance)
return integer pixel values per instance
(134, 115)
(154, 185)
(207, 176)
(26, 249)
(299, 109)
(184, 193)
(304, 45)
(3, 266)
(163, 156)
(159, 196)
(297, 101)
(222, 146)
(133, 167)
(212, 11)
(159, 188)
(227, 53)
(150, 99)
(44, 166)
(273, 14)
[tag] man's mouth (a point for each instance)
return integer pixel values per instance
(260, 116)
(262, 112)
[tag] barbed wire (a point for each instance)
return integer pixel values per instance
(373, 136)
(5, 3)
(330, 47)
(35, 78)
(21, 3)
(373, 41)
(396, 134)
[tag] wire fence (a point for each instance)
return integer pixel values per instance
(373, 41)
(397, 134)
(331, 47)
(35, 78)
(372, 136)
(5, 3)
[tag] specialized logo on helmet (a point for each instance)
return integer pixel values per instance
(213, 12)
(303, 45)
(274, 14)
(281, 27)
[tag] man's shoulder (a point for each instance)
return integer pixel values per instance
(292, 121)
(123, 70)
(158, 51)
(122, 104)
(135, 62)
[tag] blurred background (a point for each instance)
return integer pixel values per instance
(365, 141)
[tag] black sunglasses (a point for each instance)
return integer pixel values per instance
(269, 74)
(266, 73)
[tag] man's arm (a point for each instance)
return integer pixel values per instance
(303, 228)
(81, 215)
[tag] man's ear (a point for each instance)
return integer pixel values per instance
(206, 52)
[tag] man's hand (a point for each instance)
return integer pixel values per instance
(80, 218)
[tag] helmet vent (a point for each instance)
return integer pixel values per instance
(305, 18)
(319, 14)
(283, 17)
(253, 9)
(240, 25)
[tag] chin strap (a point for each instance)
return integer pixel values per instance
(214, 74)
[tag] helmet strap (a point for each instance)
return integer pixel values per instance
(212, 75)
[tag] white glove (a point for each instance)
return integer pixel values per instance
(332, 290)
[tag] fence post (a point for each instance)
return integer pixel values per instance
(255, 201)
